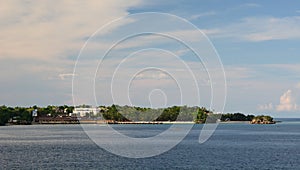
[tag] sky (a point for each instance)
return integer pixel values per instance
(256, 41)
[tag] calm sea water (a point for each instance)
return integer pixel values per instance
(232, 146)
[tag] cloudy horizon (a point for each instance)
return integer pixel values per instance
(257, 43)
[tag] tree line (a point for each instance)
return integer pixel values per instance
(24, 114)
(174, 113)
(124, 113)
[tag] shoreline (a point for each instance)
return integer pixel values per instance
(126, 123)
(235, 122)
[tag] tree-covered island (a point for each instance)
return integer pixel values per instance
(117, 114)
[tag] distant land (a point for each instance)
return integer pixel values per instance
(116, 114)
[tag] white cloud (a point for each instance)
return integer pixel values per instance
(52, 29)
(152, 75)
(65, 75)
(287, 102)
(39, 40)
(205, 14)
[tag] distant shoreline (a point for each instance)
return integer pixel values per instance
(131, 123)
(126, 122)
(235, 122)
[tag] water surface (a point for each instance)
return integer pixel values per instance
(232, 146)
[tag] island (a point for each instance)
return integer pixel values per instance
(116, 114)
(262, 119)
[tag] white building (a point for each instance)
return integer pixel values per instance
(84, 112)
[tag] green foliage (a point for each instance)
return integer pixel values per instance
(187, 113)
(169, 114)
(24, 115)
(69, 109)
(174, 113)
(263, 118)
(201, 115)
(129, 113)
(7, 113)
(236, 117)
(113, 114)
(4, 115)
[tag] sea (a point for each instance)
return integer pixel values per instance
(232, 146)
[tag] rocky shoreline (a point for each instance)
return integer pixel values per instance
(262, 120)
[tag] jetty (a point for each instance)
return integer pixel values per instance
(55, 120)
(134, 122)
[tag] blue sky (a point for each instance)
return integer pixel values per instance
(257, 41)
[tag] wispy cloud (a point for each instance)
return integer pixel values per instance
(262, 29)
(292, 68)
(264, 107)
(251, 5)
(205, 14)
(65, 75)
(152, 75)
